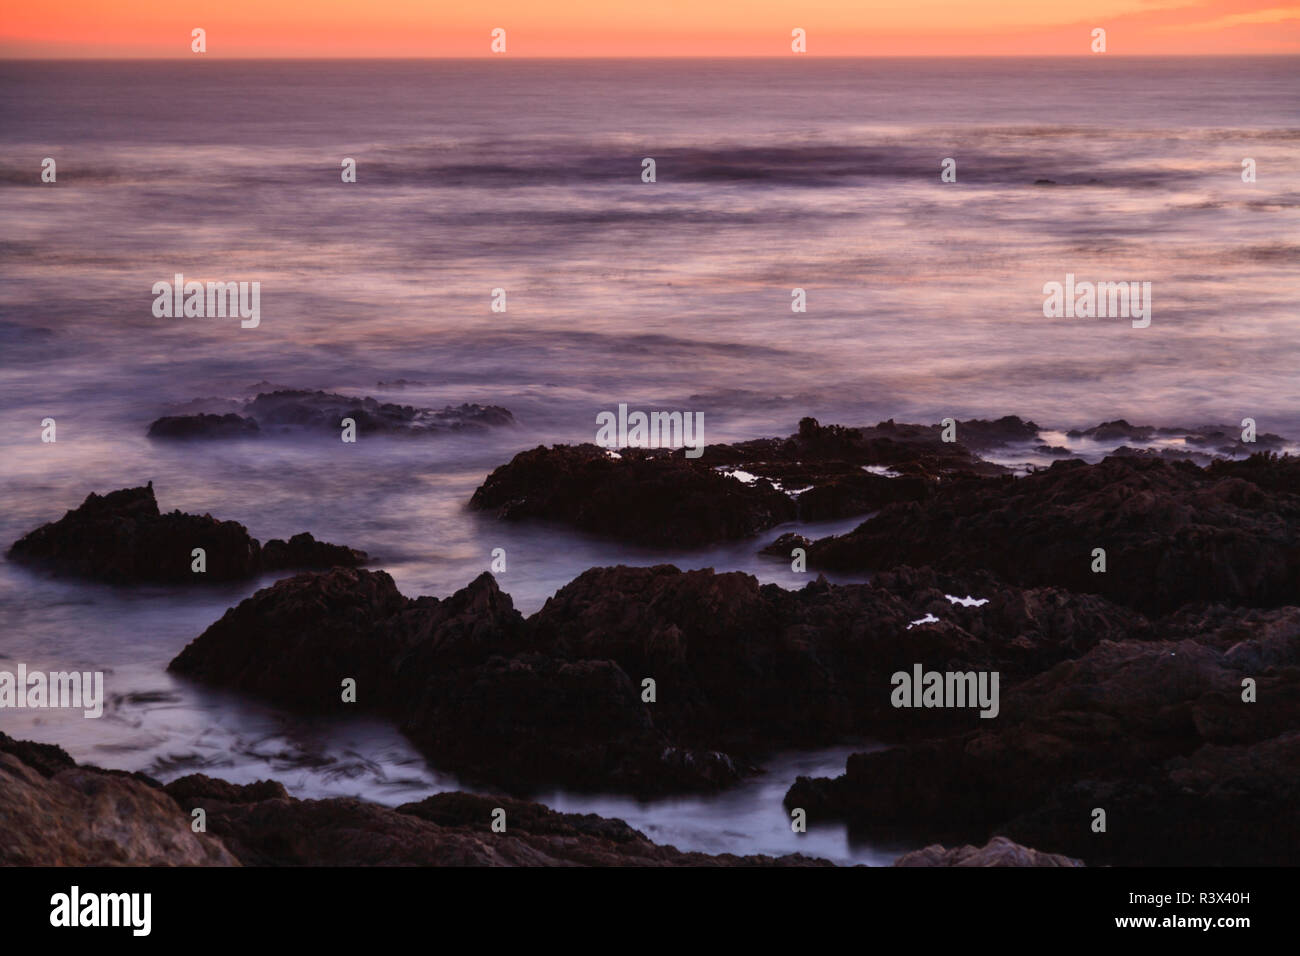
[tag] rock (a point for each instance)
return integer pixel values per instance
(531, 720)
(304, 551)
(85, 817)
(739, 669)
(448, 829)
(980, 434)
(204, 426)
(1116, 431)
(1264, 469)
(1196, 442)
(1219, 806)
(817, 452)
(999, 851)
(122, 538)
(454, 674)
(289, 410)
(639, 497)
(1172, 533)
(786, 543)
(323, 411)
(294, 642)
(660, 497)
(45, 759)
(1154, 732)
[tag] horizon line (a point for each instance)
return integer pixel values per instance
(667, 56)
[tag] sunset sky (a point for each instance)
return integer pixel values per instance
(616, 28)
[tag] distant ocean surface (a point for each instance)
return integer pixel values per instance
(924, 300)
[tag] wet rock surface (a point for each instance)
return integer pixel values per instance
(58, 813)
(661, 497)
(55, 813)
(821, 472)
(640, 497)
(1172, 533)
(122, 538)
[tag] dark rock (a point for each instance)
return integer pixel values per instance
(1219, 806)
(304, 551)
(739, 669)
(454, 674)
(122, 538)
(979, 434)
(1172, 533)
(660, 497)
(786, 543)
(818, 450)
(1156, 733)
(323, 411)
(295, 642)
(204, 426)
(1200, 443)
(297, 409)
(401, 383)
(1116, 431)
(1267, 470)
(45, 759)
(541, 720)
(1164, 454)
(640, 497)
(448, 829)
(197, 788)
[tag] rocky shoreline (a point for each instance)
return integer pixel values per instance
(59, 813)
(1159, 688)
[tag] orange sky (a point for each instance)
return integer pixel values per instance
(614, 28)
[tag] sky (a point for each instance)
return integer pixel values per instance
(625, 28)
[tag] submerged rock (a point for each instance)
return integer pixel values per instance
(286, 410)
(204, 426)
(123, 538)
